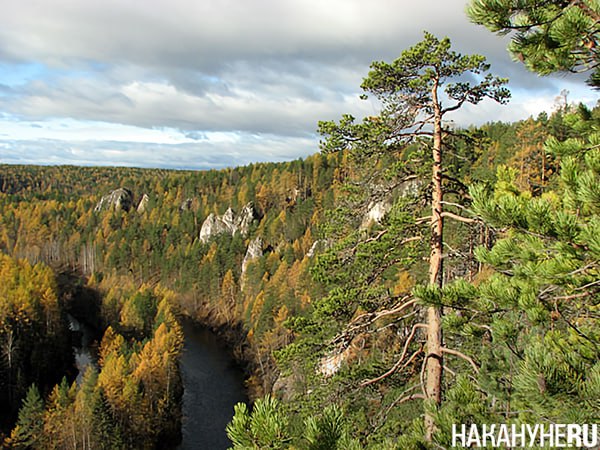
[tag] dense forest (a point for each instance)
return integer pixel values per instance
(129, 266)
(410, 276)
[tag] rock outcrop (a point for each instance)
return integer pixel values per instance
(245, 218)
(143, 204)
(331, 364)
(255, 250)
(230, 222)
(186, 205)
(377, 210)
(118, 200)
(318, 246)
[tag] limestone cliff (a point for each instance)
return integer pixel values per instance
(230, 222)
(143, 204)
(255, 250)
(377, 210)
(118, 200)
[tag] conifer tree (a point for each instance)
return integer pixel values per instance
(549, 36)
(533, 324)
(417, 91)
(28, 432)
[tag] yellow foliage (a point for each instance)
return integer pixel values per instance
(404, 284)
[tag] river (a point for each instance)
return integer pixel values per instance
(83, 338)
(212, 383)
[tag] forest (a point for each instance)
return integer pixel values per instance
(410, 276)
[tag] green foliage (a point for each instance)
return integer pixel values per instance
(412, 78)
(537, 313)
(266, 427)
(548, 36)
(28, 432)
(329, 431)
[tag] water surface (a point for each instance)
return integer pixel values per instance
(213, 384)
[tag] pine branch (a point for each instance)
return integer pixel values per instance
(577, 330)
(587, 10)
(402, 398)
(394, 310)
(394, 369)
(589, 285)
(458, 205)
(409, 397)
(573, 296)
(404, 317)
(461, 185)
(448, 369)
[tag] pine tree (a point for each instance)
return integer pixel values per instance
(533, 324)
(411, 91)
(549, 36)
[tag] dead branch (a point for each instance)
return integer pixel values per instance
(448, 369)
(450, 351)
(410, 239)
(397, 366)
(365, 320)
(369, 240)
(459, 218)
(404, 317)
(386, 312)
(401, 399)
(589, 285)
(409, 397)
(572, 296)
(457, 205)
(394, 369)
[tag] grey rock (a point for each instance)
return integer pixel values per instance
(230, 222)
(318, 246)
(255, 250)
(186, 205)
(376, 211)
(143, 204)
(118, 200)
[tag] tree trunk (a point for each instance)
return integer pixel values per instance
(434, 363)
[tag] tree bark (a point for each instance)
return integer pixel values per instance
(434, 362)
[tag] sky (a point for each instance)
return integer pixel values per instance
(201, 84)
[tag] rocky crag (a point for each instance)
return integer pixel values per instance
(230, 222)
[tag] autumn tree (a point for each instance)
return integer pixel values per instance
(530, 158)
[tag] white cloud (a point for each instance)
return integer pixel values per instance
(197, 77)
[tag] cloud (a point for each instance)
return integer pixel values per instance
(213, 152)
(264, 72)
